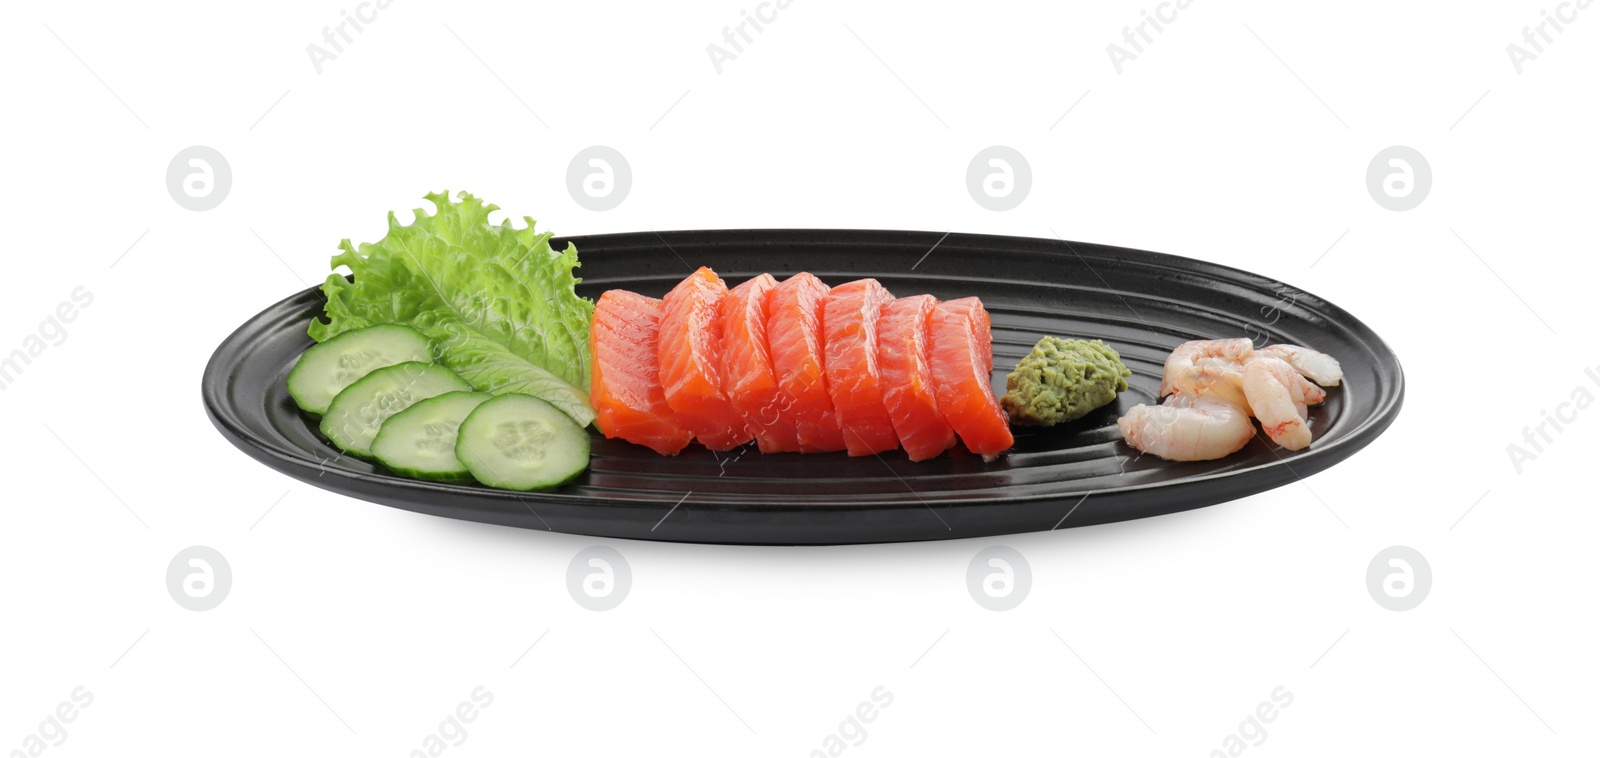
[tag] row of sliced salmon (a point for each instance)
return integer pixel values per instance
(796, 366)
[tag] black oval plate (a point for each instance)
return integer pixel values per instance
(1141, 303)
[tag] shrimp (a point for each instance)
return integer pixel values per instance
(1278, 397)
(1187, 428)
(1184, 367)
(1318, 367)
(1218, 377)
(1269, 384)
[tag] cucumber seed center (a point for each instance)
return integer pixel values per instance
(437, 439)
(352, 366)
(523, 440)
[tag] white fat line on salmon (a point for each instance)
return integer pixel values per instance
(1551, 425)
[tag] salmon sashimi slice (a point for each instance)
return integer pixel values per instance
(908, 392)
(625, 386)
(794, 337)
(850, 346)
(747, 376)
(962, 361)
(691, 373)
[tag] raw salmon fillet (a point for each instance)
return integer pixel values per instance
(691, 372)
(962, 361)
(850, 344)
(747, 376)
(625, 388)
(907, 377)
(794, 337)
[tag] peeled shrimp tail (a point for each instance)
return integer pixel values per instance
(1187, 428)
(1321, 368)
(1185, 357)
(1278, 398)
(1215, 377)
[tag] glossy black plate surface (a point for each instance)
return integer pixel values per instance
(1141, 303)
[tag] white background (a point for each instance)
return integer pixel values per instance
(354, 629)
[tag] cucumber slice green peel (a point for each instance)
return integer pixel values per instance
(326, 369)
(357, 413)
(420, 441)
(519, 442)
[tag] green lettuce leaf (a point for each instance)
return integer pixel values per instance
(497, 301)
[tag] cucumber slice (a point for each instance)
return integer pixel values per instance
(356, 414)
(519, 442)
(420, 441)
(325, 369)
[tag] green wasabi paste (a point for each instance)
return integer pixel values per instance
(1063, 380)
